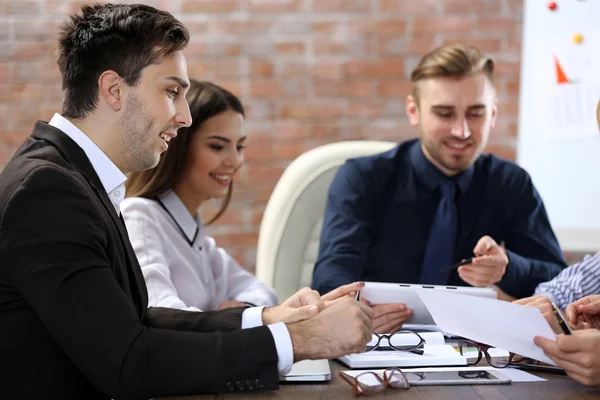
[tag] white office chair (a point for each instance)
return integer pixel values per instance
(288, 240)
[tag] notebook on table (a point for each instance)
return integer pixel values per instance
(308, 371)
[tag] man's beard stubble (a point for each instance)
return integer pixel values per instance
(137, 129)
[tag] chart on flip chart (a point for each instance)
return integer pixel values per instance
(559, 139)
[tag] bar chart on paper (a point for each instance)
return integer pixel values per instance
(559, 140)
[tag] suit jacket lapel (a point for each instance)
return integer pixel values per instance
(77, 157)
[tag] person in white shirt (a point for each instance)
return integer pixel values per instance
(182, 266)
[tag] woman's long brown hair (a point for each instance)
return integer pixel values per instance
(206, 100)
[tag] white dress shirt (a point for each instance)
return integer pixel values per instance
(182, 266)
(113, 181)
(110, 175)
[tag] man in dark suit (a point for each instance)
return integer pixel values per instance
(409, 214)
(73, 303)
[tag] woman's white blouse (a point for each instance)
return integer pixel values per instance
(183, 267)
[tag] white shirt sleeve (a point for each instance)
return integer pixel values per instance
(233, 281)
(252, 317)
(573, 283)
(145, 234)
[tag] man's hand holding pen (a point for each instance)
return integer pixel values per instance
(487, 267)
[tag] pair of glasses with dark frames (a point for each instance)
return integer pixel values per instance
(502, 361)
(403, 340)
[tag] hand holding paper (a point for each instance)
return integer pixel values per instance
(497, 323)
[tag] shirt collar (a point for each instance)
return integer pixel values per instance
(431, 176)
(174, 206)
(110, 175)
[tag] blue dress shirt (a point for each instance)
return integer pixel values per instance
(380, 210)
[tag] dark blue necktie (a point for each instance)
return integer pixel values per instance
(439, 253)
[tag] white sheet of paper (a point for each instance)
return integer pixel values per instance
(497, 323)
(515, 375)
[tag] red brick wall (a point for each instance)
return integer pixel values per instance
(310, 72)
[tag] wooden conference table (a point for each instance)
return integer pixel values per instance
(557, 387)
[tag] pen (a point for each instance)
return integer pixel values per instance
(358, 295)
(560, 319)
(461, 263)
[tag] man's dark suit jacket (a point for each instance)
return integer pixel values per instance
(74, 322)
(380, 211)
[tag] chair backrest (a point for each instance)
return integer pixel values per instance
(288, 240)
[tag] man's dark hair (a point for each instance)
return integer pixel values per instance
(124, 38)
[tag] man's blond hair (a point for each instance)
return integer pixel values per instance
(451, 61)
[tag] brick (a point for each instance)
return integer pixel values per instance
(395, 88)
(210, 6)
(51, 92)
(330, 130)
(264, 88)
(447, 23)
(259, 109)
(512, 87)
(497, 24)
(367, 108)
(329, 45)
(407, 7)
(195, 49)
(236, 239)
(311, 110)
(392, 67)
(291, 129)
(259, 148)
(469, 6)
(243, 27)
(260, 67)
(355, 6)
(31, 50)
(399, 45)
(36, 30)
(234, 86)
(327, 70)
(296, 86)
(507, 68)
(508, 107)
(351, 88)
(196, 28)
(276, 6)
(328, 27)
(224, 67)
(392, 129)
(25, 7)
(292, 68)
(506, 126)
(64, 7)
(484, 45)
(380, 27)
(261, 173)
(288, 47)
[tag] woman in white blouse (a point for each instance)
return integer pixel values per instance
(183, 267)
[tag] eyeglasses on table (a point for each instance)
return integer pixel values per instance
(497, 362)
(402, 340)
(369, 383)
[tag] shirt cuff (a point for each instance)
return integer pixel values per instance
(252, 317)
(283, 344)
(551, 297)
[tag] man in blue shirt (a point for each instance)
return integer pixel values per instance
(406, 215)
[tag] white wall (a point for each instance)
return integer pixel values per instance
(559, 142)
